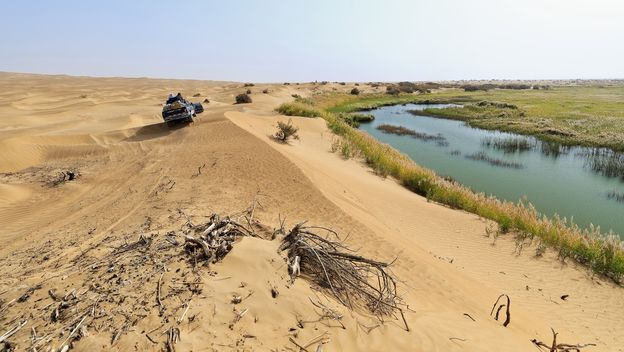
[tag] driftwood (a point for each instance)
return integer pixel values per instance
(561, 347)
(355, 281)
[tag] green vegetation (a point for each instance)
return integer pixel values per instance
(354, 120)
(481, 156)
(298, 109)
(566, 115)
(603, 253)
(402, 131)
(243, 99)
(509, 144)
(605, 162)
(618, 197)
(285, 131)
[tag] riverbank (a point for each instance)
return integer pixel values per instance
(556, 180)
(602, 252)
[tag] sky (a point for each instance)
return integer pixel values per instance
(298, 40)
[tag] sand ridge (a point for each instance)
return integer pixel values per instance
(109, 129)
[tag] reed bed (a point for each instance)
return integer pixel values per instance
(509, 144)
(616, 196)
(603, 253)
(482, 156)
(402, 131)
(554, 150)
(604, 162)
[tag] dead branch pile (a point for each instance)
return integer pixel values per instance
(356, 282)
(113, 290)
(62, 177)
(561, 347)
(212, 240)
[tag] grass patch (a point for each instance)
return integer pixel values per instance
(469, 112)
(603, 253)
(298, 109)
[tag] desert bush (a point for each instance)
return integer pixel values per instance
(196, 95)
(392, 90)
(248, 85)
(206, 101)
(355, 91)
(285, 131)
(265, 91)
(342, 83)
(243, 99)
(296, 96)
(248, 91)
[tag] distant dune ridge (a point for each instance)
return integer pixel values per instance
(95, 194)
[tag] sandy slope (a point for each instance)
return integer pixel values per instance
(136, 175)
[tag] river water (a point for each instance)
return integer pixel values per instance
(555, 180)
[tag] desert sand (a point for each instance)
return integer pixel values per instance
(138, 179)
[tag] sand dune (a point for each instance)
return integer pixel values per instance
(136, 176)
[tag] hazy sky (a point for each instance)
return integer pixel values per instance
(297, 40)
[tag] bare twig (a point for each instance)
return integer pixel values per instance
(12, 331)
(561, 347)
(158, 299)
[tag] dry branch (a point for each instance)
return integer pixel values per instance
(355, 281)
(561, 347)
(501, 306)
(215, 238)
(12, 331)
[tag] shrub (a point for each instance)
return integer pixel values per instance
(196, 95)
(248, 85)
(265, 91)
(392, 90)
(206, 101)
(243, 99)
(285, 131)
(342, 83)
(296, 96)
(248, 91)
(355, 91)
